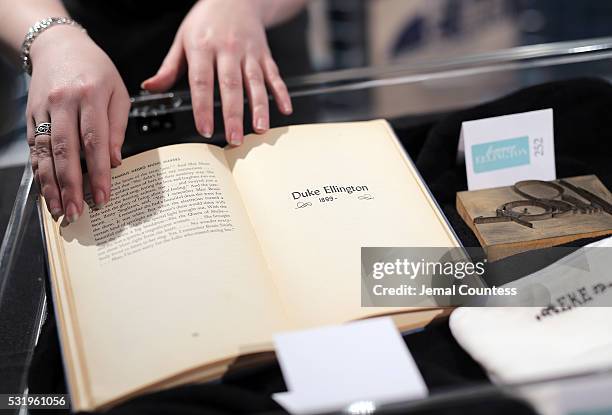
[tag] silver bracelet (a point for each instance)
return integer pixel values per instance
(39, 27)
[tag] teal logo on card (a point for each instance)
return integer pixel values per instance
(502, 154)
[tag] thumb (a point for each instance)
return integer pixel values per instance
(171, 68)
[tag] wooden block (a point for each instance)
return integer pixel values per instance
(503, 239)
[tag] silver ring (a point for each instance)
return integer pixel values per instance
(44, 128)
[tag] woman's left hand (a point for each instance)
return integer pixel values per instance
(227, 37)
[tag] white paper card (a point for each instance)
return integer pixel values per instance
(501, 151)
(329, 368)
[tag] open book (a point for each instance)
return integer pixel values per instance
(204, 253)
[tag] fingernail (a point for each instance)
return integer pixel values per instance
(118, 155)
(288, 108)
(235, 139)
(204, 129)
(100, 199)
(55, 208)
(72, 213)
(205, 132)
(261, 124)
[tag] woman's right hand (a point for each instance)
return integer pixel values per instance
(76, 87)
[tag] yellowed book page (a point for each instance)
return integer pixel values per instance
(74, 371)
(168, 277)
(369, 195)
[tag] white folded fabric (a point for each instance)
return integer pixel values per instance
(523, 343)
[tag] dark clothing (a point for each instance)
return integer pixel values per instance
(137, 36)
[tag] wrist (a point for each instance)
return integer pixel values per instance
(258, 8)
(262, 11)
(49, 34)
(273, 12)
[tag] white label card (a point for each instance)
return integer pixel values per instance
(330, 368)
(501, 151)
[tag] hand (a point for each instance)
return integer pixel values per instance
(76, 87)
(229, 35)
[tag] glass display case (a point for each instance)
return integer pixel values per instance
(407, 94)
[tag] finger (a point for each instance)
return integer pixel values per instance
(46, 170)
(232, 97)
(65, 149)
(201, 74)
(258, 96)
(94, 131)
(30, 126)
(118, 113)
(277, 85)
(169, 71)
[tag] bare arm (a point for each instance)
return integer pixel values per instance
(19, 16)
(76, 88)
